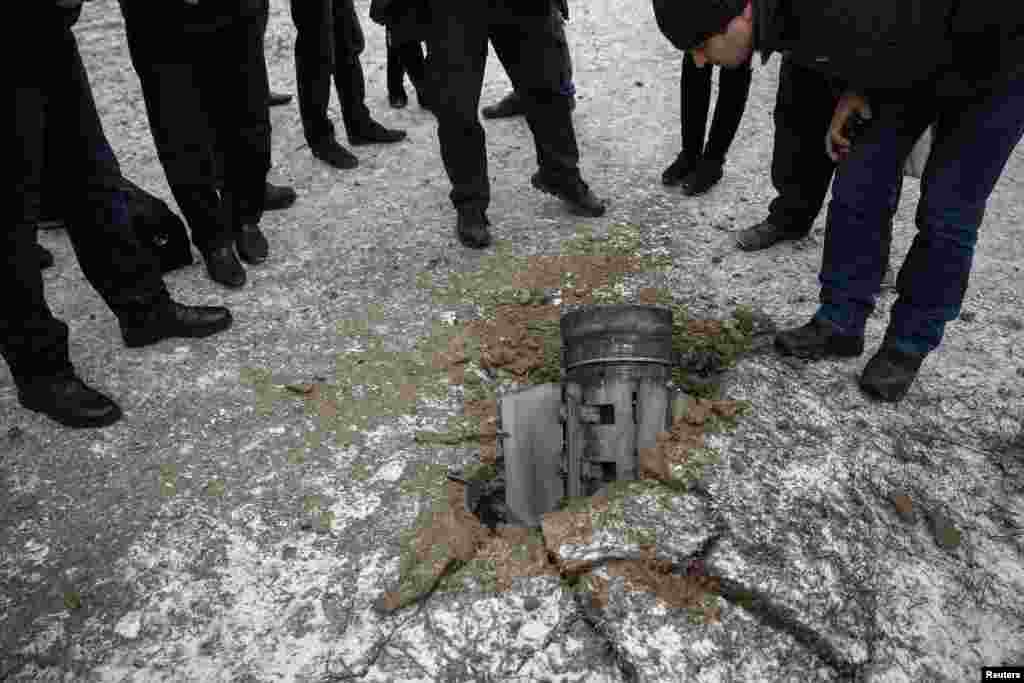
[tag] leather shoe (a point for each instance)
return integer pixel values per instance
(251, 244)
(276, 99)
(471, 228)
(764, 235)
(889, 373)
(818, 339)
(332, 153)
(276, 197)
(703, 178)
(508, 106)
(68, 400)
(45, 257)
(571, 189)
(679, 169)
(172, 319)
(372, 132)
(223, 266)
(398, 99)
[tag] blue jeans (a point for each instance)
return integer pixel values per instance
(973, 139)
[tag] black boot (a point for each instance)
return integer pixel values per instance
(889, 373)
(508, 106)
(818, 339)
(45, 257)
(223, 266)
(330, 152)
(252, 246)
(171, 319)
(471, 228)
(276, 99)
(684, 164)
(701, 179)
(570, 188)
(370, 132)
(68, 400)
(766, 234)
(278, 197)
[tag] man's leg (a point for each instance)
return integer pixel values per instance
(237, 90)
(801, 170)
(349, 43)
(694, 100)
(733, 88)
(534, 52)
(973, 141)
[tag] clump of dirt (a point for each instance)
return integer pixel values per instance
(516, 552)
(577, 275)
(678, 458)
(486, 411)
(443, 537)
(690, 591)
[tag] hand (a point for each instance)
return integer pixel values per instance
(837, 144)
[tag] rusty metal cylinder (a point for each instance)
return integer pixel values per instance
(617, 361)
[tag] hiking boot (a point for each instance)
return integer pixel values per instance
(398, 99)
(223, 266)
(471, 228)
(276, 99)
(703, 178)
(764, 235)
(251, 244)
(276, 197)
(818, 339)
(571, 189)
(889, 373)
(508, 106)
(683, 166)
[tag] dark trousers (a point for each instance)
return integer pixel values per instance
(201, 88)
(801, 169)
(533, 50)
(973, 139)
(405, 57)
(53, 102)
(328, 42)
(695, 94)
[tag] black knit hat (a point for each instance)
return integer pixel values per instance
(688, 23)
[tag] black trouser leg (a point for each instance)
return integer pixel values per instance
(801, 169)
(349, 82)
(178, 119)
(534, 52)
(395, 67)
(411, 57)
(733, 88)
(57, 98)
(238, 90)
(458, 53)
(695, 101)
(314, 54)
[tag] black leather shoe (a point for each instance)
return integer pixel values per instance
(679, 169)
(175, 320)
(372, 132)
(251, 244)
(45, 257)
(68, 400)
(703, 178)
(398, 99)
(223, 266)
(277, 197)
(582, 202)
(332, 153)
(764, 235)
(276, 99)
(471, 228)
(508, 106)
(818, 339)
(889, 373)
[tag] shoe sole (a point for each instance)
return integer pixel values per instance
(106, 421)
(831, 352)
(574, 208)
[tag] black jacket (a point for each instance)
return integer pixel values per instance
(946, 47)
